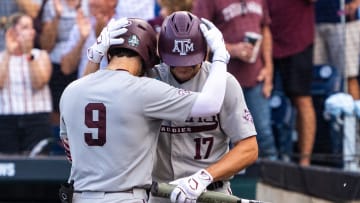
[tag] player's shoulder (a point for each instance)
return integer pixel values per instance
(78, 83)
(72, 86)
(70, 90)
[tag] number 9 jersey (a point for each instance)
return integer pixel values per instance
(112, 120)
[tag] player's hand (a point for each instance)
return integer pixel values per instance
(188, 189)
(108, 36)
(215, 41)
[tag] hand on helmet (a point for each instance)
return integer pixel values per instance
(108, 36)
(188, 189)
(215, 41)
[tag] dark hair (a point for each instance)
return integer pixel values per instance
(121, 52)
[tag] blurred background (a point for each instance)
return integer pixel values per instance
(306, 54)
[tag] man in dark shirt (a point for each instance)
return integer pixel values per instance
(250, 61)
(293, 36)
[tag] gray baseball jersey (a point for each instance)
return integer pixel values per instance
(186, 147)
(112, 120)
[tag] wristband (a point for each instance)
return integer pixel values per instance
(30, 57)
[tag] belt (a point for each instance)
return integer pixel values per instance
(106, 192)
(215, 185)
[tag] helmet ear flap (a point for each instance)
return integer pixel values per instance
(181, 42)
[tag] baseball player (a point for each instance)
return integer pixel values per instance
(198, 148)
(111, 118)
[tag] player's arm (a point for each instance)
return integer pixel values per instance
(236, 122)
(63, 132)
(243, 154)
(210, 99)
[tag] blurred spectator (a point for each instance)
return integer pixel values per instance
(84, 34)
(338, 43)
(37, 21)
(58, 18)
(293, 35)
(144, 9)
(167, 7)
(25, 100)
(8, 8)
(29, 7)
(253, 70)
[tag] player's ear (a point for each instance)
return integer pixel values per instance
(108, 57)
(143, 69)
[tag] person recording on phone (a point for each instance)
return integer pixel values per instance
(250, 63)
(25, 100)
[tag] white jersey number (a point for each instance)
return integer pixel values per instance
(98, 122)
(202, 141)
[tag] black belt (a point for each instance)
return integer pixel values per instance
(215, 185)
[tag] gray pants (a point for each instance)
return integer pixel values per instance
(136, 196)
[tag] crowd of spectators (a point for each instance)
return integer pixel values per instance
(33, 75)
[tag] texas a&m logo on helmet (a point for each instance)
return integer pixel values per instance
(181, 42)
(183, 46)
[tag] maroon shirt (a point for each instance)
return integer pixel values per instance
(156, 23)
(234, 18)
(292, 26)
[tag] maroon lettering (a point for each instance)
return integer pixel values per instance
(199, 142)
(99, 123)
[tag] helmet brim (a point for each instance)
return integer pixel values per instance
(178, 60)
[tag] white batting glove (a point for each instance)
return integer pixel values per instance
(108, 36)
(188, 189)
(215, 41)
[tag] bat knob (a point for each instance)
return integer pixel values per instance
(154, 188)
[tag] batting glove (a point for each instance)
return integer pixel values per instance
(188, 189)
(108, 36)
(215, 41)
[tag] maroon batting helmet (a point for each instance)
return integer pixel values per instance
(140, 38)
(181, 42)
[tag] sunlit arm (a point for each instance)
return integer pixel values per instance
(242, 155)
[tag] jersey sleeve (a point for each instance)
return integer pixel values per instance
(63, 132)
(235, 117)
(163, 101)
